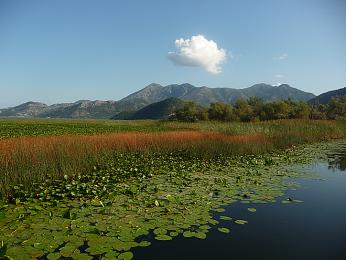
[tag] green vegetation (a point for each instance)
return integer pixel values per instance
(255, 109)
(158, 110)
(28, 161)
(70, 192)
(173, 197)
(10, 128)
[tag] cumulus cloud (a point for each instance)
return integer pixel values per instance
(198, 52)
(283, 56)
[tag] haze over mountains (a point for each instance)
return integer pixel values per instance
(151, 94)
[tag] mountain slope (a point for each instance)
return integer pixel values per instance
(151, 94)
(28, 109)
(205, 96)
(324, 98)
(79, 109)
(158, 110)
(83, 109)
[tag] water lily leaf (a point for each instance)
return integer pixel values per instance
(240, 222)
(54, 256)
(252, 209)
(225, 218)
(160, 231)
(219, 210)
(144, 243)
(188, 234)
(173, 234)
(111, 255)
(205, 227)
(163, 237)
(223, 230)
(126, 256)
(200, 235)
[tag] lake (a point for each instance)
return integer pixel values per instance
(314, 229)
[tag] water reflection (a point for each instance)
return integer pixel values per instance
(337, 161)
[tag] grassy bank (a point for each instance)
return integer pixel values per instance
(36, 151)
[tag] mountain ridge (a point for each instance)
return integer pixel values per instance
(150, 94)
(324, 98)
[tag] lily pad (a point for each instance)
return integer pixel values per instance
(225, 218)
(125, 256)
(223, 230)
(163, 237)
(240, 222)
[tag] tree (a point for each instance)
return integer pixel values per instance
(257, 106)
(243, 110)
(191, 112)
(337, 108)
(220, 111)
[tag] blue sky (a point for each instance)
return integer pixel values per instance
(63, 51)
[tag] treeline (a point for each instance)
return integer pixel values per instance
(255, 109)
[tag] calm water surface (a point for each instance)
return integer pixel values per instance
(315, 229)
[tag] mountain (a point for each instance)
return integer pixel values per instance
(205, 96)
(79, 109)
(82, 109)
(159, 110)
(28, 109)
(326, 97)
(152, 93)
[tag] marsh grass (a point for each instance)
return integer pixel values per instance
(30, 160)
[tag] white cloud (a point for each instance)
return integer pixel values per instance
(279, 76)
(283, 56)
(198, 52)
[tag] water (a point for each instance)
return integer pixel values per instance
(314, 229)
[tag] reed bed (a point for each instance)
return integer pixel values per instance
(32, 159)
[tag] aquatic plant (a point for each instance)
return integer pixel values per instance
(170, 196)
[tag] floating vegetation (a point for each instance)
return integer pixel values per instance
(252, 209)
(225, 218)
(240, 222)
(132, 197)
(224, 230)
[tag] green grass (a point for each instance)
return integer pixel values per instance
(44, 127)
(10, 128)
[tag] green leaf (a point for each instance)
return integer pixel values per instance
(240, 222)
(126, 256)
(163, 237)
(223, 230)
(225, 218)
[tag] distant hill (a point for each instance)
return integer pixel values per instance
(28, 109)
(326, 97)
(158, 110)
(79, 109)
(205, 96)
(152, 93)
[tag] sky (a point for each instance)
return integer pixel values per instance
(64, 51)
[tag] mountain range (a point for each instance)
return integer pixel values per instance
(326, 97)
(151, 94)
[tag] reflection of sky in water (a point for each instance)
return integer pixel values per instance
(338, 160)
(276, 230)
